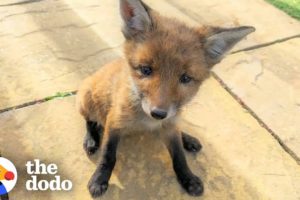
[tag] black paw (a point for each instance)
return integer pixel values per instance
(90, 146)
(193, 185)
(190, 143)
(97, 188)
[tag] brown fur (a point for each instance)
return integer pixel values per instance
(110, 89)
(116, 95)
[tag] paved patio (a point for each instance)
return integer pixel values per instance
(247, 114)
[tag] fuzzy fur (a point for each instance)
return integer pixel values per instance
(119, 98)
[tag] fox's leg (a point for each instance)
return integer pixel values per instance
(93, 137)
(190, 143)
(191, 183)
(98, 183)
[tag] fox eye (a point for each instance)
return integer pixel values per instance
(146, 70)
(184, 79)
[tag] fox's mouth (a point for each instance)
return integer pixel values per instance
(157, 113)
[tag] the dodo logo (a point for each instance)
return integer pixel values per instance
(8, 176)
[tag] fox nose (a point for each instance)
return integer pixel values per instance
(158, 113)
(9, 176)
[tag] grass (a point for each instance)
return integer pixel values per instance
(291, 7)
(59, 95)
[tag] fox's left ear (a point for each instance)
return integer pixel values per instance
(136, 18)
(222, 40)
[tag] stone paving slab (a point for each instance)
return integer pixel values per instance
(268, 81)
(240, 160)
(258, 13)
(270, 22)
(45, 48)
(245, 146)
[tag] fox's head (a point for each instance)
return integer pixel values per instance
(168, 59)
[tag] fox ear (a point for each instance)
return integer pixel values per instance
(218, 44)
(136, 18)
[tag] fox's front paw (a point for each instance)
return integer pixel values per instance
(90, 146)
(97, 188)
(193, 185)
(191, 143)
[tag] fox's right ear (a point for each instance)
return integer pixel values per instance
(136, 18)
(222, 40)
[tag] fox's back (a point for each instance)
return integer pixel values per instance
(98, 93)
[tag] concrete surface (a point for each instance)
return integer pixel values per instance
(250, 130)
(268, 81)
(46, 47)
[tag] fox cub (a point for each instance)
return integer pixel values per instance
(166, 62)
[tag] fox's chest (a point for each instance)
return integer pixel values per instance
(149, 123)
(144, 123)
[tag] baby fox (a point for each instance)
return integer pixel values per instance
(166, 62)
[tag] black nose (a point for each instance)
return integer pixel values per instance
(158, 114)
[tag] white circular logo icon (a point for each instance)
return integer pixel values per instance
(8, 176)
